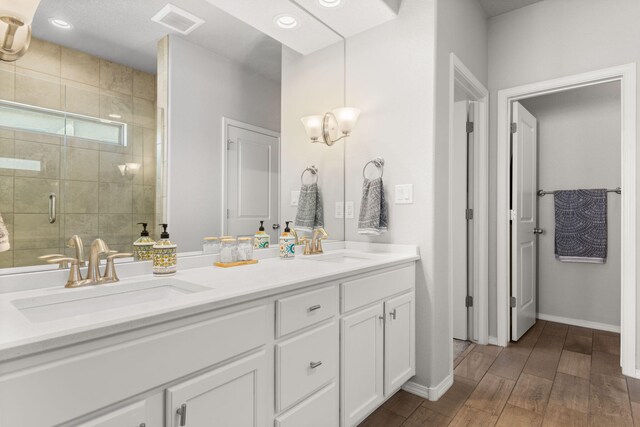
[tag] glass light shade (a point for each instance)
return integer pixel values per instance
(15, 19)
(313, 126)
(24, 10)
(347, 118)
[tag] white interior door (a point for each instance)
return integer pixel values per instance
(253, 171)
(524, 201)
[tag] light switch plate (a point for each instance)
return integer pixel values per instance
(404, 194)
(348, 210)
(339, 209)
(295, 196)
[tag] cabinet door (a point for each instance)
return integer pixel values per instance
(361, 363)
(130, 416)
(233, 395)
(399, 342)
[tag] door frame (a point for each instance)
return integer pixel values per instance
(461, 76)
(626, 75)
(226, 122)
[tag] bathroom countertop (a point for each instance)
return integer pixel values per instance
(20, 337)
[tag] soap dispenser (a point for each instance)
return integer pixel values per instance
(143, 247)
(287, 243)
(165, 255)
(261, 238)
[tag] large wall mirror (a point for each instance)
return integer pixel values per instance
(113, 119)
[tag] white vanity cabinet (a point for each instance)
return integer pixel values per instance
(134, 415)
(377, 341)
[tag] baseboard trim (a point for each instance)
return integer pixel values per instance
(493, 340)
(429, 393)
(578, 322)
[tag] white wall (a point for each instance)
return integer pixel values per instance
(547, 40)
(579, 147)
(203, 88)
(311, 85)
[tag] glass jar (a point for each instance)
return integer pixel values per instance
(228, 250)
(245, 248)
(211, 245)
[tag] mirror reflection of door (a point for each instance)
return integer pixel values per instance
(252, 177)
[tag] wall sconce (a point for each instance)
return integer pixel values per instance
(331, 125)
(129, 169)
(15, 27)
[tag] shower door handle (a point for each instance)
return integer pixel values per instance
(52, 208)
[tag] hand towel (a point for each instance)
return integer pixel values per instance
(310, 215)
(373, 216)
(4, 236)
(581, 226)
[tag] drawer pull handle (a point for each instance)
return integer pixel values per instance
(142, 425)
(314, 365)
(393, 314)
(315, 307)
(182, 411)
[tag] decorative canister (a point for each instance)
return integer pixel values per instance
(165, 255)
(228, 250)
(211, 245)
(245, 248)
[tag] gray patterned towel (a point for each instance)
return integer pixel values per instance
(310, 215)
(374, 212)
(4, 236)
(581, 226)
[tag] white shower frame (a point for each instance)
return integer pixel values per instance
(626, 75)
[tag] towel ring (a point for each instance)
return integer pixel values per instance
(314, 172)
(378, 162)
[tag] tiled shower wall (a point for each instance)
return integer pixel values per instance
(93, 198)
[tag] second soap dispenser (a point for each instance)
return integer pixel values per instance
(165, 255)
(143, 247)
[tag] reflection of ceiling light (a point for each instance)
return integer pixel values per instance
(286, 21)
(129, 169)
(60, 23)
(330, 3)
(115, 116)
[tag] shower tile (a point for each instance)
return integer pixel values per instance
(149, 143)
(6, 259)
(81, 165)
(113, 104)
(47, 154)
(84, 225)
(43, 138)
(144, 199)
(7, 150)
(81, 99)
(116, 77)
(32, 194)
(25, 258)
(144, 113)
(80, 197)
(43, 57)
(149, 171)
(7, 85)
(33, 231)
(137, 140)
(80, 67)
(86, 144)
(144, 85)
(6, 194)
(115, 229)
(109, 171)
(115, 198)
(38, 89)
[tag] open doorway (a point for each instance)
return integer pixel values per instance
(576, 134)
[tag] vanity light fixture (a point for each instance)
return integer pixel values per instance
(330, 3)
(60, 23)
(328, 128)
(15, 27)
(129, 169)
(285, 21)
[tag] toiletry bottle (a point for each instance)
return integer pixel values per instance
(143, 247)
(261, 238)
(165, 257)
(287, 244)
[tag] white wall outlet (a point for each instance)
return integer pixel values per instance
(339, 209)
(348, 210)
(295, 196)
(404, 194)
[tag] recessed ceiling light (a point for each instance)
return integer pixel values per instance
(286, 21)
(330, 3)
(60, 23)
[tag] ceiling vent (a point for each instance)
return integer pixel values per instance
(177, 19)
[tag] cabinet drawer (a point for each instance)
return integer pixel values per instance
(367, 290)
(320, 410)
(299, 311)
(305, 363)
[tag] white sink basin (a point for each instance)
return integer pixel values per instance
(339, 258)
(77, 302)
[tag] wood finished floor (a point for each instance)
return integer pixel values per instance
(556, 375)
